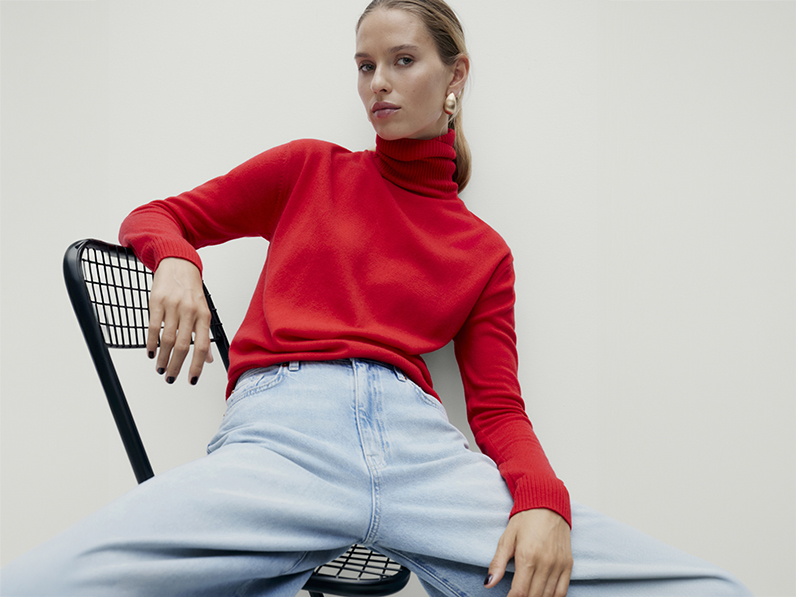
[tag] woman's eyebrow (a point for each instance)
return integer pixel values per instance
(402, 48)
(393, 50)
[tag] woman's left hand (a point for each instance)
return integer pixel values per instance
(539, 542)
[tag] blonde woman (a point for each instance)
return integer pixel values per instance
(333, 433)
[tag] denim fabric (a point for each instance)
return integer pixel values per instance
(310, 458)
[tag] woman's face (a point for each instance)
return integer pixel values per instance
(402, 81)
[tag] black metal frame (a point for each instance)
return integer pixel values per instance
(109, 290)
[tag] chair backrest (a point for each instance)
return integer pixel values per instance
(109, 289)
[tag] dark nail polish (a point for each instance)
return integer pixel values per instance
(169, 380)
(194, 380)
(488, 579)
(151, 354)
(161, 370)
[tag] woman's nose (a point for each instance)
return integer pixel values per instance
(380, 83)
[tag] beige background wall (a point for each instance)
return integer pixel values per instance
(639, 158)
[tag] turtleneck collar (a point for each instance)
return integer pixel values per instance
(425, 167)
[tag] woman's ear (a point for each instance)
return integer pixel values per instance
(461, 70)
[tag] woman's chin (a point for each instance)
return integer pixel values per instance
(393, 132)
(388, 133)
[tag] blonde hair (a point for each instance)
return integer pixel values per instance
(445, 29)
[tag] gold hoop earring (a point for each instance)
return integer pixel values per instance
(450, 104)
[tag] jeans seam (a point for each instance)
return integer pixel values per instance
(372, 471)
(293, 568)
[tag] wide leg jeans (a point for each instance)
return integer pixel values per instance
(309, 459)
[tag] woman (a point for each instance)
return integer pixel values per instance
(333, 433)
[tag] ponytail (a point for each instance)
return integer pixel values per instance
(464, 158)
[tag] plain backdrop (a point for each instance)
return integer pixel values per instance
(638, 156)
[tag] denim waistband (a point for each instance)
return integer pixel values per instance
(296, 366)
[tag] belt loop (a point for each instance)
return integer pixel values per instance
(399, 374)
(294, 366)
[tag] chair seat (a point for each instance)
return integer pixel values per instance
(359, 571)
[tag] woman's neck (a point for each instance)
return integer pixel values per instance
(425, 167)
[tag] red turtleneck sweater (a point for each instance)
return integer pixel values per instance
(372, 255)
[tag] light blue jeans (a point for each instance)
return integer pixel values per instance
(309, 459)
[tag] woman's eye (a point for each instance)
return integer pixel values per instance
(405, 61)
(365, 67)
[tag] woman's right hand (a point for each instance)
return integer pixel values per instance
(177, 301)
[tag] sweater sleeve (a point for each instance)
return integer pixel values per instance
(245, 202)
(486, 352)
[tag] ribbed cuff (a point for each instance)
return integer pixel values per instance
(161, 248)
(531, 493)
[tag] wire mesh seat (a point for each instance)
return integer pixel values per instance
(109, 289)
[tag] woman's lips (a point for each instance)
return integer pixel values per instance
(383, 110)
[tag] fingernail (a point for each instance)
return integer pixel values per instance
(194, 380)
(161, 370)
(488, 579)
(151, 354)
(169, 380)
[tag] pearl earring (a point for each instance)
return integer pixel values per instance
(450, 104)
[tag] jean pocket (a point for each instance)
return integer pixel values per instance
(428, 399)
(256, 380)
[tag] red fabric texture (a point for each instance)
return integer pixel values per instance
(372, 255)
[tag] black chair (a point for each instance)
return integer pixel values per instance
(109, 289)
